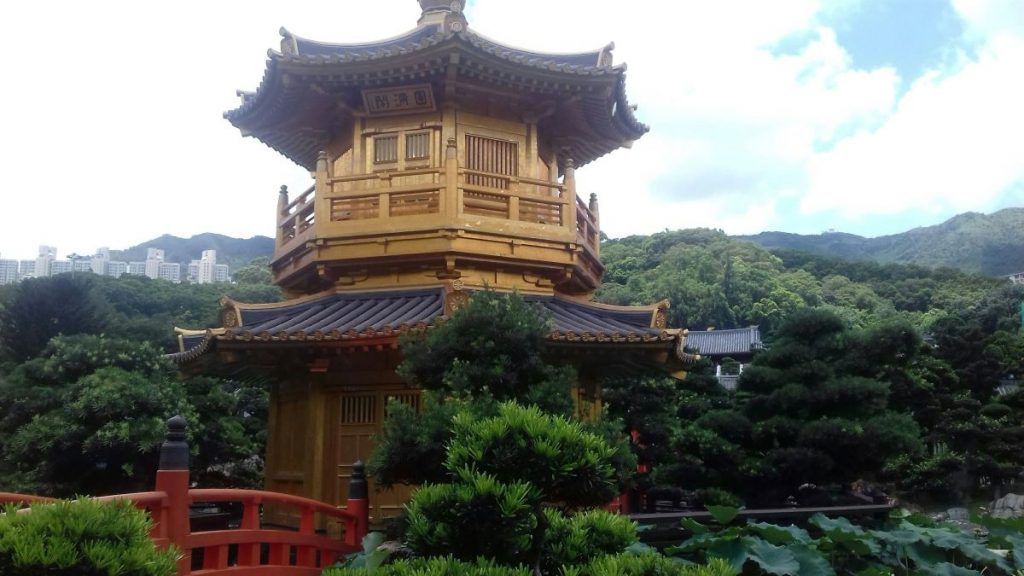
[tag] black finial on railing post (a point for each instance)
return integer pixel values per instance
(174, 450)
(357, 487)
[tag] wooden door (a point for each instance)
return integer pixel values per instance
(361, 417)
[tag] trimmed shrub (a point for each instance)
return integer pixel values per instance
(81, 538)
(647, 565)
(476, 516)
(575, 539)
(436, 566)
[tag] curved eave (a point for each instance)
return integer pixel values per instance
(421, 55)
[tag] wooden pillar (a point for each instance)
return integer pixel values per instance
(316, 430)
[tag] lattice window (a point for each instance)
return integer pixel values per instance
(417, 146)
(498, 157)
(411, 399)
(385, 149)
(359, 409)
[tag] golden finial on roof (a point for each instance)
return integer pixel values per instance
(446, 12)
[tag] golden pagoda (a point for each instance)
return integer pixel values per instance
(443, 162)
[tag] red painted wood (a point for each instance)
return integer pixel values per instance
(169, 504)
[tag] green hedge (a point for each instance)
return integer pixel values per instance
(81, 538)
(436, 566)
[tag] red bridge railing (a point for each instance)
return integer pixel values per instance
(250, 549)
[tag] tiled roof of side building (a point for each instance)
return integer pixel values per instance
(724, 342)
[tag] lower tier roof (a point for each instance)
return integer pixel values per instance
(381, 315)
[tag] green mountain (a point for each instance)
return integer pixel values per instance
(985, 244)
(235, 252)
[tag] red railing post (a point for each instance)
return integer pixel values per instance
(172, 479)
(358, 505)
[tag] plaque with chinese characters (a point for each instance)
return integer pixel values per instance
(399, 100)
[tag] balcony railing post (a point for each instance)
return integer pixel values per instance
(321, 190)
(358, 504)
(282, 213)
(596, 241)
(569, 204)
(451, 202)
(172, 478)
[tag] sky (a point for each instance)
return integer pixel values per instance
(863, 116)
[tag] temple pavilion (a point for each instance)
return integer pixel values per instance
(442, 162)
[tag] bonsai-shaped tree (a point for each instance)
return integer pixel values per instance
(522, 481)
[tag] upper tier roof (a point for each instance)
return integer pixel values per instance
(307, 82)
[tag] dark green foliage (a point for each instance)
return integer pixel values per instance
(590, 534)
(81, 538)
(909, 545)
(514, 475)
(255, 272)
(493, 346)
(230, 435)
(647, 565)
(566, 464)
(39, 309)
(88, 415)
(413, 446)
(434, 566)
(987, 244)
(474, 516)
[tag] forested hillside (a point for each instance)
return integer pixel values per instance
(986, 244)
(714, 280)
(85, 387)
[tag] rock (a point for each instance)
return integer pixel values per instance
(1009, 506)
(958, 515)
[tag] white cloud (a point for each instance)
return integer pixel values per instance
(112, 131)
(952, 144)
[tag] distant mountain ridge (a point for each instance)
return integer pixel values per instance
(235, 252)
(991, 244)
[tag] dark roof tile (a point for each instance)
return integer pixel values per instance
(725, 342)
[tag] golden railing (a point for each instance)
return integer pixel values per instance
(399, 197)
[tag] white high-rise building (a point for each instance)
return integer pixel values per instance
(61, 267)
(47, 254)
(207, 267)
(81, 265)
(137, 268)
(154, 258)
(221, 273)
(193, 271)
(116, 269)
(170, 271)
(100, 260)
(8, 271)
(26, 269)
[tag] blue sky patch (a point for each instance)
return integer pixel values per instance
(911, 36)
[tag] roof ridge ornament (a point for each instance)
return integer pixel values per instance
(448, 13)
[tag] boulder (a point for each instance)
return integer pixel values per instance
(1009, 506)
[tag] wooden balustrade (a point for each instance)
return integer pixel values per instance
(295, 218)
(357, 204)
(250, 549)
(587, 227)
